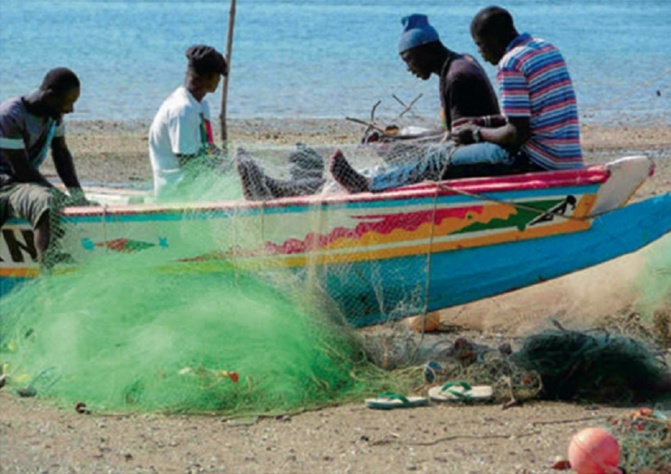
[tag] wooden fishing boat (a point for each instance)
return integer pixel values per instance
(380, 256)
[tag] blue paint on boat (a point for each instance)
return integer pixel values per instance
(462, 276)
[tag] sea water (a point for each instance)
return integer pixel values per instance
(323, 58)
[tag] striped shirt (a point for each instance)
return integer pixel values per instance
(21, 130)
(534, 82)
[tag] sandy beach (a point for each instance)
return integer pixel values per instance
(36, 437)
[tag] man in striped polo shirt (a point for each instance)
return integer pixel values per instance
(538, 128)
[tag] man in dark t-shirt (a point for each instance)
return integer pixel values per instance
(464, 89)
(30, 127)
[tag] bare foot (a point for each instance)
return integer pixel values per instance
(251, 176)
(347, 176)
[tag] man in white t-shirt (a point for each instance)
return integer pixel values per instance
(181, 131)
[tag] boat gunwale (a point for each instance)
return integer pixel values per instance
(591, 175)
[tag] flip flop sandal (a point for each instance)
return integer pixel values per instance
(459, 391)
(390, 400)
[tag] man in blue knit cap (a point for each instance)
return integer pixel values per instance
(464, 91)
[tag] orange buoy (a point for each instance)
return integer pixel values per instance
(594, 451)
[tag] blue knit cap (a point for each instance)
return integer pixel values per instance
(416, 32)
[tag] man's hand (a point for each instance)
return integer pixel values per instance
(463, 134)
(77, 198)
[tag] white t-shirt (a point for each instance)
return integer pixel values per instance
(180, 127)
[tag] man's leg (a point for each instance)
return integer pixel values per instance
(42, 236)
(299, 187)
(251, 177)
(36, 203)
(257, 186)
(346, 176)
(427, 165)
(305, 162)
(479, 159)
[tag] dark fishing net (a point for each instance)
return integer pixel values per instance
(597, 367)
(441, 358)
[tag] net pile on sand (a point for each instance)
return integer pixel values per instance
(597, 367)
(127, 331)
(122, 336)
(644, 436)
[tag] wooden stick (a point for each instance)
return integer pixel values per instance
(372, 118)
(372, 111)
(363, 122)
(406, 108)
(224, 87)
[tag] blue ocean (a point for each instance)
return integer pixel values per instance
(323, 58)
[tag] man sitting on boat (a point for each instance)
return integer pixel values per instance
(538, 129)
(464, 91)
(540, 113)
(30, 126)
(181, 133)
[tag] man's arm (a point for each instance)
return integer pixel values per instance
(512, 134)
(487, 121)
(64, 163)
(22, 170)
(65, 167)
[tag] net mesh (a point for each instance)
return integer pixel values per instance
(120, 335)
(125, 329)
(227, 330)
(644, 436)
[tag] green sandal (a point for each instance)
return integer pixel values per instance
(391, 400)
(459, 391)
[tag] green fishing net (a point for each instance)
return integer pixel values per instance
(123, 332)
(141, 339)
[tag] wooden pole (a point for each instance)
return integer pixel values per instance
(224, 90)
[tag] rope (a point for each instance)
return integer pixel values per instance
(428, 275)
(104, 216)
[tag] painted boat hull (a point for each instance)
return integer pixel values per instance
(385, 256)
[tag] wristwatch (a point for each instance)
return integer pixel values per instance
(477, 137)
